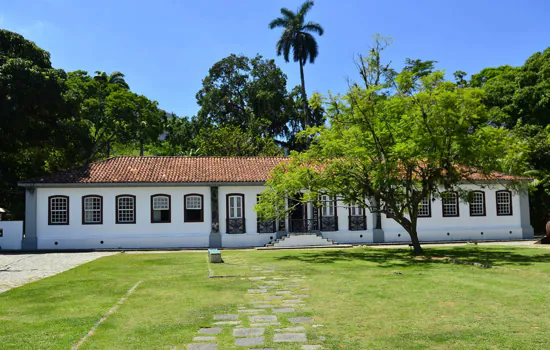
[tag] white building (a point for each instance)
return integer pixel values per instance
(176, 202)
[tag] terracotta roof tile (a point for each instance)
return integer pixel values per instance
(168, 170)
(187, 170)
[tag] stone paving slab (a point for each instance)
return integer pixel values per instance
(226, 317)
(201, 338)
(227, 323)
(301, 320)
(256, 291)
(283, 310)
(265, 324)
(289, 337)
(293, 301)
(283, 292)
(291, 329)
(311, 347)
(248, 332)
(249, 341)
(213, 330)
(274, 297)
(263, 318)
(263, 306)
(204, 346)
(250, 311)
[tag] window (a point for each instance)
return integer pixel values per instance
(235, 213)
(357, 220)
(58, 208)
(477, 203)
(328, 208)
(126, 209)
(160, 208)
(236, 206)
(425, 208)
(504, 203)
(449, 201)
(193, 210)
(92, 210)
(356, 210)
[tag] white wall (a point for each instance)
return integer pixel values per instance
(466, 227)
(142, 234)
(12, 233)
(177, 233)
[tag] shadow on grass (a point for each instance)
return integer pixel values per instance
(391, 258)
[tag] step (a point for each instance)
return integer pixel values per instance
(301, 240)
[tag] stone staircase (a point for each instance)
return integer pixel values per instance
(292, 240)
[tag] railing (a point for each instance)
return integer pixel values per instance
(302, 225)
(235, 226)
(357, 223)
(266, 226)
(329, 223)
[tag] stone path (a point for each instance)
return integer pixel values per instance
(274, 313)
(19, 269)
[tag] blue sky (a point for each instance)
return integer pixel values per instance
(165, 47)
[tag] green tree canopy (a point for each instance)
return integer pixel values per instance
(389, 151)
(515, 93)
(246, 92)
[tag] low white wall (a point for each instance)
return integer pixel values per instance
(349, 237)
(130, 242)
(244, 240)
(12, 233)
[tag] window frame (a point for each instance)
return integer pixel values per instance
(227, 209)
(332, 199)
(50, 210)
(153, 196)
(363, 215)
(511, 213)
(116, 209)
(100, 209)
(484, 205)
(429, 200)
(457, 205)
(185, 219)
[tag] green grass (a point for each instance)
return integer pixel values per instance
(366, 299)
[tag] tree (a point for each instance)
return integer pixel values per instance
(112, 113)
(297, 36)
(37, 128)
(515, 93)
(389, 150)
(231, 141)
(116, 78)
(246, 92)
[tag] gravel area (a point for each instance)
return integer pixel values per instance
(19, 269)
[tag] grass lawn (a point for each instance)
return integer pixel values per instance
(365, 298)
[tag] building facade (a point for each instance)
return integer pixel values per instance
(183, 202)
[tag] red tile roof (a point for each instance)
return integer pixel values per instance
(168, 170)
(187, 170)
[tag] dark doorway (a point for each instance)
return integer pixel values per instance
(298, 215)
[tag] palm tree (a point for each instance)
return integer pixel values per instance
(113, 78)
(297, 35)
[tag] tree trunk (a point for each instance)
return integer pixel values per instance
(417, 249)
(108, 151)
(304, 96)
(141, 148)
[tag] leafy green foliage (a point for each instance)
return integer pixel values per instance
(244, 92)
(298, 36)
(388, 151)
(517, 93)
(37, 131)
